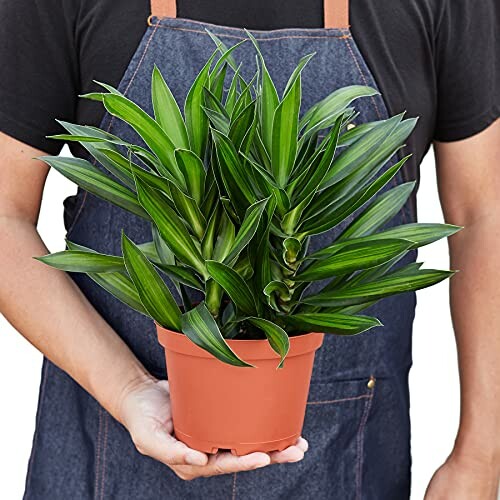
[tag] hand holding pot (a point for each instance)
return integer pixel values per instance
(146, 413)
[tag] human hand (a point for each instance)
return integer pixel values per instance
(464, 478)
(145, 411)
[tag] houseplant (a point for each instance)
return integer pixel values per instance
(235, 189)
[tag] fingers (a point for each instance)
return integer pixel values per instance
(227, 463)
(293, 453)
(163, 447)
(223, 463)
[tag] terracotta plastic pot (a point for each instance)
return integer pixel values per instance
(219, 406)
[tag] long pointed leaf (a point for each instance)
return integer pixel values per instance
(92, 180)
(155, 295)
(200, 327)
(234, 285)
(120, 286)
(336, 323)
(167, 112)
(383, 287)
(276, 336)
(354, 258)
(170, 226)
(77, 261)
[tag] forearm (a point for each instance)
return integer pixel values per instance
(47, 308)
(475, 304)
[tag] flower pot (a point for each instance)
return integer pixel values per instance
(219, 406)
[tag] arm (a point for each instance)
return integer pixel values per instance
(469, 188)
(51, 312)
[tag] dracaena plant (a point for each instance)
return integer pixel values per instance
(234, 188)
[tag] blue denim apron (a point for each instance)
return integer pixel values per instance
(357, 420)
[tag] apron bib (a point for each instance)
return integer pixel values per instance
(357, 419)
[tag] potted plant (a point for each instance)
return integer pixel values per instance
(234, 189)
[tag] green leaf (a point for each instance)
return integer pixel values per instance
(97, 142)
(118, 283)
(235, 177)
(163, 253)
(77, 261)
(148, 177)
(269, 100)
(217, 81)
(170, 226)
(420, 233)
(353, 258)
(333, 105)
(247, 230)
(382, 210)
(336, 323)
(200, 327)
(276, 336)
(284, 134)
(337, 213)
(194, 173)
(167, 112)
(234, 285)
(276, 292)
(196, 119)
(225, 238)
(88, 177)
(242, 125)
(298, 71)
(180, 274)
(378, 289)
(188, 209)
(152, 134)
(326, 163)
(353, 157)
(155, 295)
(120, 286)
(208, 241)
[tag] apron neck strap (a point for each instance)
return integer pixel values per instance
(164, 8)
(336, 12)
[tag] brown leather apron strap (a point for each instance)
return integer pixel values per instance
(164, 8)
(336, 13)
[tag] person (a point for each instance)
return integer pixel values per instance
(103, 423)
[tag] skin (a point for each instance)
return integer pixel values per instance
(49, 310)
(103, 365)
(469, 189)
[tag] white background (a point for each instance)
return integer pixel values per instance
(434, 376)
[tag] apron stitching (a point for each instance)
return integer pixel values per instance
(360, 444)
(379, 115)
(141, 60)
(342, 37)
(105, 445)
(42, 394)
(331, 401)
(193, 21)
(234, 486)
(110, 124)
(363, 76)
(98, 454)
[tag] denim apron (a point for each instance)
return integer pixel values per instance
(357, 421)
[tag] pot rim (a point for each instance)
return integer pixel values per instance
(247, 349)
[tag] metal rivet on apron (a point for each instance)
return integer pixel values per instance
(350, 126)
(371, 382)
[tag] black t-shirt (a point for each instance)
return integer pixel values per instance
(436, 59)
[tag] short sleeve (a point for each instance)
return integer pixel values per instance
(467, 68)
(39, 69)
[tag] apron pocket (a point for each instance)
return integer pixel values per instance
(334, 426)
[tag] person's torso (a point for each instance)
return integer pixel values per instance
(395, 39)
